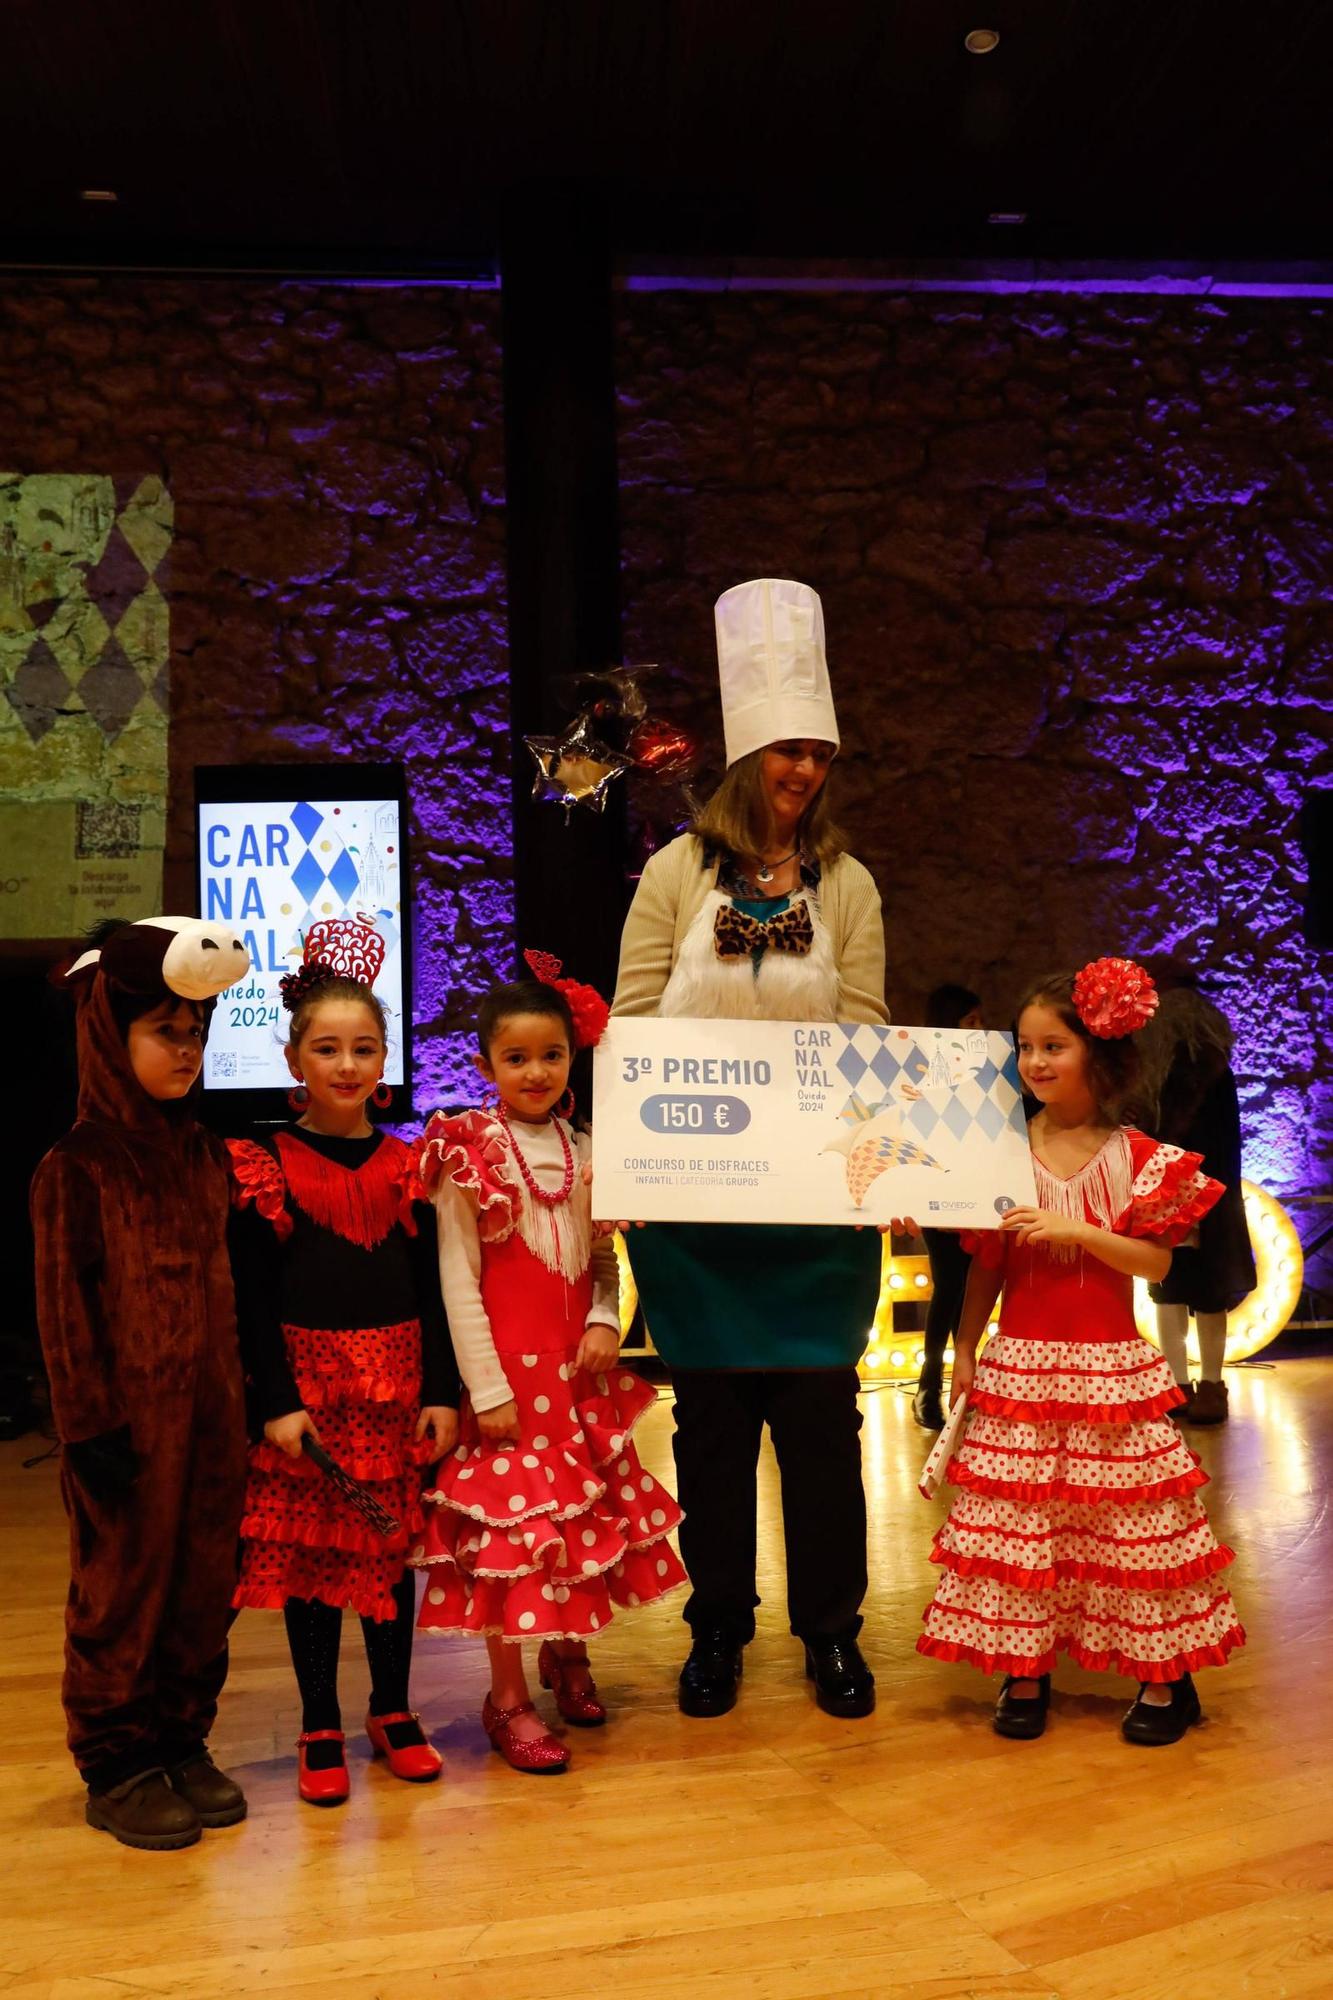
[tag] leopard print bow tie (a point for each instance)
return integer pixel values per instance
(736, 935)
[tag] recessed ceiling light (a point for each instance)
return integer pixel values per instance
(981, 41)
(98, 194)
(1007, 218)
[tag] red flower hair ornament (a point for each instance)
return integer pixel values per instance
(1113, 997)
(335, 948)
(587, 1008)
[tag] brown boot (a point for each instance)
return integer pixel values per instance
(144, 1812)
(1208, 1405)
(1181, 1413)
(217, 1799)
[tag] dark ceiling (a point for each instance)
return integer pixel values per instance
(399, 134)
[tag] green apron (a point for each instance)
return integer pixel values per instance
(756, 1295)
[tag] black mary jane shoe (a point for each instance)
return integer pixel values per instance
(928, 1409)
(709, 1677)
(844, 1684)
(1162, 1722)
(1022, 1716)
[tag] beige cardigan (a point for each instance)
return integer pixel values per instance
(671, 894)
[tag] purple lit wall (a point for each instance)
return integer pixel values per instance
(335, 456)
(1077, 566)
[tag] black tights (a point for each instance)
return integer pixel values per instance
(314, 1633)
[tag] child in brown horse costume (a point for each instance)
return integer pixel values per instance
(139, 1333)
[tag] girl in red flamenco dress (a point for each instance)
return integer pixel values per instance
(1077, 1527)
(543, 1518)
(344, 1339)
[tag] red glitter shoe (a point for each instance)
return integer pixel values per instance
(544, 1756)
(577, 1705)
(411, 1757)
(326, 1787)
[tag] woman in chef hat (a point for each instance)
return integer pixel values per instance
(759, 913)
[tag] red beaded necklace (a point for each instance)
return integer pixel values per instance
(538, 1192)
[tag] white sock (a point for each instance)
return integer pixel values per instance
(1212, 1331)
(1173, 1324)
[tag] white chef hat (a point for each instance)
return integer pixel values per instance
(771, 665)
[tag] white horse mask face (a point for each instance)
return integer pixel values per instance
(189, 957)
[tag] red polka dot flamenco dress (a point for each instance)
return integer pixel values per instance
(542, 1540)
(1077, 1527)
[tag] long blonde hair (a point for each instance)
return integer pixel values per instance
(739, 820)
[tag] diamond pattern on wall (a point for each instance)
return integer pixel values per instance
(38, 689)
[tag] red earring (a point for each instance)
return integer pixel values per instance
(298, 1097)
(382, 1095)
(565, 1107)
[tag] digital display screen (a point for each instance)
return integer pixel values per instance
(282, 850)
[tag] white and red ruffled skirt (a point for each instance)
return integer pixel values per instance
(1077, 1527)
(542, 1541)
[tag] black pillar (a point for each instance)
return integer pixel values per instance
(563, 540)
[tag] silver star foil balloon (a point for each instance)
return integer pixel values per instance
(577, 768)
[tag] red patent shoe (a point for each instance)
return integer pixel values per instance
(326, 1787)
(578, 1705)
(411, 1757)
(544, 1756)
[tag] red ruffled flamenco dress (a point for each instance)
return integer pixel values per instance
(543, 1540)
(1078, 1527)
(341, 1231)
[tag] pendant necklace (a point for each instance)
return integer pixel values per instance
(768, 869)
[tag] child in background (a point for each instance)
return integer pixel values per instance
(1078, 1528)
(344, 1338)
(1187, 1095)
(949, 1006)
(139, 1333)
(543, 1517)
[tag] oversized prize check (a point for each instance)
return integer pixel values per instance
(795, 1121)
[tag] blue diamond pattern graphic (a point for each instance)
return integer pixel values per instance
(991, 1119)
(925, 1118)
(957, 1118)
(886, 1067)
(852, 1065)
(306, 821)
(986, 1075)
(344, 877)
(307, 876)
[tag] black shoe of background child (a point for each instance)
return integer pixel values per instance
(1164, 1722)
(708, 1678)
(1022, 1716)
(844, 1684)
(928, 1409)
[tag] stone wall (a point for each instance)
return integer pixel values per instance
(336, 587)
(1077, 563)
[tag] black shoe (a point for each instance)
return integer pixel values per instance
(708, 1678)
(844, 1684)
(1020, 1716)
(928, 1409)
(1147, 1722)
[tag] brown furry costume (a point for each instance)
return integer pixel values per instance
(139, 1333)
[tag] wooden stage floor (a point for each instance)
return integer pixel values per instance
(771, 1854)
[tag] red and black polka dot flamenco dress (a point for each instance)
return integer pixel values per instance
(542, 1541)
(1077, 1527)
(339, 1310)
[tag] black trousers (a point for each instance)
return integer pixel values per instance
(949, 1266)
(816, 1430)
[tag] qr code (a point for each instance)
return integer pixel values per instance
(107, 832)
(222, 1062)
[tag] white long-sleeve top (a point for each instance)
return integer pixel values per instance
(461, 1252)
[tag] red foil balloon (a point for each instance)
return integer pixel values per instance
(666, 749)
